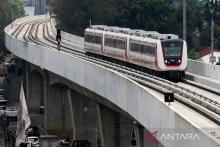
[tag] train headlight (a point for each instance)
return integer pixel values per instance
(166, 61)
(179, 61)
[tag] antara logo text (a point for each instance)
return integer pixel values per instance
(154, 137)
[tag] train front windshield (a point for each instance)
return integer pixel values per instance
(172, 51)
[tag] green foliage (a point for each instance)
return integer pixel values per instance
(7, 7)
(152, 15)
(218, 63)
(17, 8)
(164, 16)
(192, 54)
(206, 23)
(77, 13)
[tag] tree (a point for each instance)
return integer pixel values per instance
(205, 29)
(164, 16)
(7, 7)
(77, 13)
(218, 63)
(139, 14)
(192, 54)
(157, 15)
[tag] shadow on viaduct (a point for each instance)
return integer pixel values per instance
(65, 109)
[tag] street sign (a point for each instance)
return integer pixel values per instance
(168, 97)
(212, 59)
(58, 38)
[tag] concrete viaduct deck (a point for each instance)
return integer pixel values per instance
(142, 104)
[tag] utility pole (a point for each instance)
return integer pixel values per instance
(212, 40)
(12, 16)
(184, 19)
(212, 5)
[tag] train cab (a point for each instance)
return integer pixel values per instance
(172, 52)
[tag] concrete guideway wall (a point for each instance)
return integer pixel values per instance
(204, 69)
(136, 100)
(40, 7)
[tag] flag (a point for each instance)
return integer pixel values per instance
(23, 119)
(134, 137)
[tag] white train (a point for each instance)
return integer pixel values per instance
(164, 55)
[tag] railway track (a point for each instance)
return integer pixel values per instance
(200, 103)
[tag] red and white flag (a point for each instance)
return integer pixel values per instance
(23, 119)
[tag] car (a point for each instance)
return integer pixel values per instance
(81, 143)
(33, 141)
(32, 131)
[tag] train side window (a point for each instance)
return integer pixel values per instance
(120, 44)
(153, 50)
(88, 38)
(136, 47)
(148, 50)
(97, 40)
(110, 42)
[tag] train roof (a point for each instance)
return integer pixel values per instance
(94, 31)
(144, 39)
(134, 32)
(117, 34)
(114, 31)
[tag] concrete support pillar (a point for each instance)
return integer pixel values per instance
(40, 7)
(125, 131)
(27, 83)
(71, 112)
(100, 125)
(31, 2)
(45, 87)
(118, 129)
(36, 92)
(54, 105)
(109, 126)
(86, 119)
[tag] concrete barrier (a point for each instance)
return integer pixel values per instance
(204, 69)
(139, 102)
